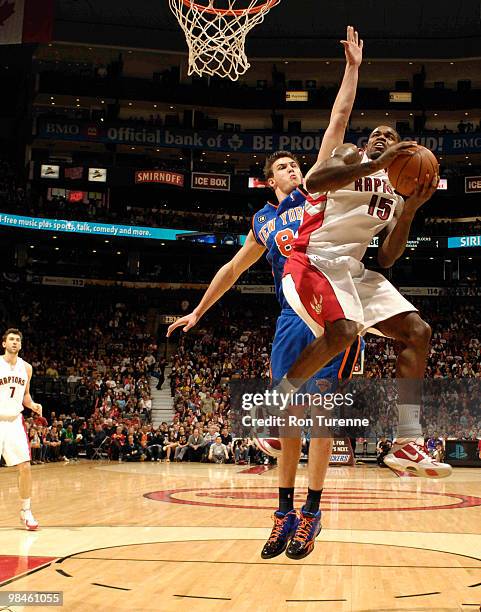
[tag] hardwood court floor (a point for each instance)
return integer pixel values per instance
(153, 536)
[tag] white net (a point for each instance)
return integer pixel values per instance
(216, 32)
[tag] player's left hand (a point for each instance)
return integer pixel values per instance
(37, 408)
(422, 193)
(352, 47)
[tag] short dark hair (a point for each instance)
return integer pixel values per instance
(268, 172)
(12, 330)
(389, 126)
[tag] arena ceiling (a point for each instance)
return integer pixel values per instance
(417, 29)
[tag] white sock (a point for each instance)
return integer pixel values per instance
(409, 421)
(26, 504)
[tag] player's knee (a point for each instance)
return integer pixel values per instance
(418, 332)
(24, 467)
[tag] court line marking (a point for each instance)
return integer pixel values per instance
(202, 597)
(129, 526)
(108, 586)
(62, 559)
(457, 567)
(312, 600)
(73, 555)
(417, 595)
(174, 496)
(88, 539)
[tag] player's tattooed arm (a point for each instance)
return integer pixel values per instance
(344, 167)
(225, 278)
(393, 239)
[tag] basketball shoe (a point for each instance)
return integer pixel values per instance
(284, 527)
(408, 457)
(309, 527)
(28, 520)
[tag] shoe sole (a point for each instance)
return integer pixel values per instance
(417, 472)
(306, 552)
(25, 526)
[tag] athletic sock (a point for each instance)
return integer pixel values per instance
(286, 499)
(26, 504)
(409, 421)
(313, 501)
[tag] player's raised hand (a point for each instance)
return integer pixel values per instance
(406, 147)
(186, 323)
(423, 192)
(352, 47)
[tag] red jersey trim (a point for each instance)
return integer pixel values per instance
(309, 224)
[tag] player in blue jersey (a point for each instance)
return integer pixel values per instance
(272, 235)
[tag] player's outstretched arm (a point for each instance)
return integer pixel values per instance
(344, 167)
(225, 278)
(393, 240)
(342, 109)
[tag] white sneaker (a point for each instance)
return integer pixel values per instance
(408, 457)
(28, 520)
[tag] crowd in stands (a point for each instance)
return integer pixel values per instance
(90, 353)
(97, 348)
(205, 362)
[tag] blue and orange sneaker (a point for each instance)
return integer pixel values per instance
(309, 527)
(284, 528)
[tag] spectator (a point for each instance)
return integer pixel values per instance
(131, 450)
(241, 451)
(117, 444)
(195, 445)
(181, 448)
(383, 447)
(218, 451)
(156, 445)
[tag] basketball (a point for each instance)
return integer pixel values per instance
(269, 446)
(405, 169)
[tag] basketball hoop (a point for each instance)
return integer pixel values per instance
(216, 30)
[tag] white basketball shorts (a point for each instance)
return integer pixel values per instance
(320, 290)
(13, 441)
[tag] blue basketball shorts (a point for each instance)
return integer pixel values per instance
(291, 338)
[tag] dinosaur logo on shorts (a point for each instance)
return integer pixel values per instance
(316, 304)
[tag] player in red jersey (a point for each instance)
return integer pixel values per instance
(329, 288)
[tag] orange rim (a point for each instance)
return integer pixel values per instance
(232, 12)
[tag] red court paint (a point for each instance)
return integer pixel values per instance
(351, 499)
(15, 565)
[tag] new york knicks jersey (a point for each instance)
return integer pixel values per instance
(275, 227)
(13, 382)
(344, 222)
